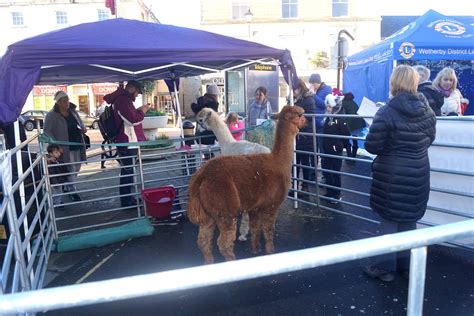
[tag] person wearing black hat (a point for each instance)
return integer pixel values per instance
(209, 100)
(129, 119)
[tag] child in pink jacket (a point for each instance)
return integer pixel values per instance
(233, 123)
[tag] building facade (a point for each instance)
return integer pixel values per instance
(20, 19)
(308, 28)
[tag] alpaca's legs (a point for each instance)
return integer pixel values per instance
(255, 232)
(268, 226)
(244, 226)
(205, 236)
(225, 241)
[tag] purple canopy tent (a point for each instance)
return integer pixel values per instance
(120, 50)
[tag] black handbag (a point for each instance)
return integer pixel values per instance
(87, 141)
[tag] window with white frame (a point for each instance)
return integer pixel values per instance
(17, 19)
(61, 17)
(340, 8)
(103, 15)
(289, 9)
(239, 8)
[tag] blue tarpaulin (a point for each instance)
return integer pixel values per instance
(432, 37)
(119, 50)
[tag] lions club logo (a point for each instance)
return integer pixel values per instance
(407, 50)
(449, 28)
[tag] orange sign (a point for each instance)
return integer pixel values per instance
(48, 90)
(104, 88)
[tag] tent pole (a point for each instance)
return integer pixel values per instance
(290, 84)
(178, 108)
(294, 169)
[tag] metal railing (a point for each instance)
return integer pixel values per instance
(25, 206)
(26, 257)
(362, 210)
(190, 278)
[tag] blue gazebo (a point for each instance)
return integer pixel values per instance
(432, 39)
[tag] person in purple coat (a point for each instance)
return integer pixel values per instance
(129, 119)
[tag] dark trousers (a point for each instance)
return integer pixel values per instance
(395, 261)
(332, 178)
(126, 171)
(305, 160)
(319, 142)
(352, 149)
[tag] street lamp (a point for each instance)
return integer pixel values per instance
(248, 17)
(341, 53)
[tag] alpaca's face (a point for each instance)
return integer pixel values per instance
(293, 114)
(203, 116)
(302, 120)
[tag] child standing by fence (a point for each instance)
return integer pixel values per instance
(234, 124)
(333, 146)
(55, 170)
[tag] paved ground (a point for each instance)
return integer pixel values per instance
(339, 289)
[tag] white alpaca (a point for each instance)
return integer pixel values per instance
(229, 146)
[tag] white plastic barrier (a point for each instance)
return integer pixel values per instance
(452, 164)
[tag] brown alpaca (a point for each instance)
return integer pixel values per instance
(227, 185)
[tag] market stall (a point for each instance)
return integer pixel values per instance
(433, 39)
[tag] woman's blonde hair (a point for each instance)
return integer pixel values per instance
(232, 117)
(446, 72)
(404, 79)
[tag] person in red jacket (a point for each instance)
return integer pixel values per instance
(129, 119)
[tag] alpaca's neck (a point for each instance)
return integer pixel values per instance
(284, 142)
(221, 130)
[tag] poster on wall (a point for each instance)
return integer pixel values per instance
(43, 96)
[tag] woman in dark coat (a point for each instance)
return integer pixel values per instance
(356, 124)
(304, 98)
(400, 135)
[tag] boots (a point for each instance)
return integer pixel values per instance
(304, 196)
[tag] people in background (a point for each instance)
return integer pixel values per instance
(320, 90)
(208, 100)
(446, 83)
(434, 97)
(129, 119)
(333, 146)
(303, 97)
(56, 169)
(235, 125)
(400, 135)
(260, 108)
(63, 123)
(355, 124)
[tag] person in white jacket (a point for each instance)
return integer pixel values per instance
(446, 83)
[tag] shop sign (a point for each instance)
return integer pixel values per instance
(104, 88)
(261, 67)
(47, 90)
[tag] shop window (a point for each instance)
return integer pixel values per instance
(289, 9)
(340, 8)
(61, 17)
(103, 15)
(239, 8)
(17, 19)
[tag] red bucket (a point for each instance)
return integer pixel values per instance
(159, 201)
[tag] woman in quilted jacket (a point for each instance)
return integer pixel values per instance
(400, 135)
